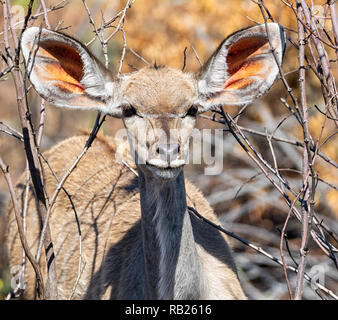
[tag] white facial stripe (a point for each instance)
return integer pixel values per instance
(159, 116)
(197, 103)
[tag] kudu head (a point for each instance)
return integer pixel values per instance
(158, 105)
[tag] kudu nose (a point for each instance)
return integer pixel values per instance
(168, 151)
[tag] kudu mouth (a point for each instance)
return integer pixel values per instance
(165, 162)
(163, 173)
(162, 164)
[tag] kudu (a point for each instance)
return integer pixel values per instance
(139, 241)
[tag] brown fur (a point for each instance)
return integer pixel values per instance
(106, 197)
(156, 250)
(160, 90)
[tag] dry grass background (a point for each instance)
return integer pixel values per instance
(159, 31)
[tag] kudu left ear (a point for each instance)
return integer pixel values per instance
(242, 68)
(65, 73)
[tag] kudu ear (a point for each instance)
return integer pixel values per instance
(242, 68)
(65, 73)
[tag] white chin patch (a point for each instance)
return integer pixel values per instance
(177, 163)
(164, 164)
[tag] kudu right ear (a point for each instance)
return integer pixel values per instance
(243, 67)
(65, 73)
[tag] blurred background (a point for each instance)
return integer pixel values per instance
(243, 198)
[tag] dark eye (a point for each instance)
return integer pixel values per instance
(192, 112)
(129, 111)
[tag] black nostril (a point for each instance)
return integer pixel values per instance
(162, 149)
(176, 148)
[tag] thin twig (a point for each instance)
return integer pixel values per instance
(36, 267)
(306, 208)
(96, 128)
(139, 56)
(30, 143)
(261, 251)
(196, 55)
(10, 131)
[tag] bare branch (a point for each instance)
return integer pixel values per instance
(261, 251)
(36, 267)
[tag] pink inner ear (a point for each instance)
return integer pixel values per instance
(68, 58)
(54, 72)
(241, 63)
(243, 76)
(241, 51)
(63, 65)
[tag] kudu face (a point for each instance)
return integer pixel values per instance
(159, 116)
(158, 105)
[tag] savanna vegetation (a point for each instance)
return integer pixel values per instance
(278, 188)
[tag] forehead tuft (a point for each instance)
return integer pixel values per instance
(159, 90)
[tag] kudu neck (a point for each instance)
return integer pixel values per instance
(172, 265)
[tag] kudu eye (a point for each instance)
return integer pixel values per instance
(128, 111)
(192, 111)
